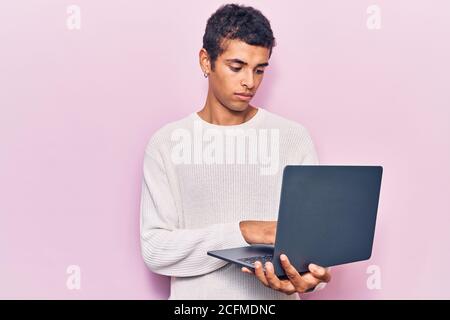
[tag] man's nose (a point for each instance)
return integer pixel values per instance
(248, 80)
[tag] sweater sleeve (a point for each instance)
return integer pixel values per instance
(166, 248)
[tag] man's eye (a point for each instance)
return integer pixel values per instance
(235, 69)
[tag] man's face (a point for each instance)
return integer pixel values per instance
(239, 69)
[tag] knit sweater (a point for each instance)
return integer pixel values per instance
(199, 181)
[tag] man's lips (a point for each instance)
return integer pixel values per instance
(244, 97)
(244, 94)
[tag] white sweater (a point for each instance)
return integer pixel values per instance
(200, 180)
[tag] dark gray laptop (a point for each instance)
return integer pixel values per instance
(327, 216)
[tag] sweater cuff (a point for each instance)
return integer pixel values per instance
(232, 236)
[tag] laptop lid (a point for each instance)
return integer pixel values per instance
(327, 214)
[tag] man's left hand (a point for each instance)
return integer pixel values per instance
(295, 282)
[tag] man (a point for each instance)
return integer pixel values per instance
(212, 180)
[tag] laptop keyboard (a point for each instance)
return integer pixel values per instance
(262, 259)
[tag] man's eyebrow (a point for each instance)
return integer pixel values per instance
(265, 64)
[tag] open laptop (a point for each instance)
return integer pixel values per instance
(327, 216)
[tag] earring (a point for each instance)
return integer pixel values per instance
(205, 75)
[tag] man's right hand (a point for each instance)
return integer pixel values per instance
(258, 232)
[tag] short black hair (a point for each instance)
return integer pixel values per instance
(234, 21)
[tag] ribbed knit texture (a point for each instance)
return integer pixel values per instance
(188, 209)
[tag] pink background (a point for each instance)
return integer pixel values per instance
(77, 108)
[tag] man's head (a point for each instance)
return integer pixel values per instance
(237, 45)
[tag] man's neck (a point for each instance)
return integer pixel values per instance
(226, 117)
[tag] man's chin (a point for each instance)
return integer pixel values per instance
(240, 108)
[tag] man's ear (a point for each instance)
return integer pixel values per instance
(204, 60)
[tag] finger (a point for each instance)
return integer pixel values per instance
(273, 280)
(297, 280)
(311, 280)
(246, 270)
(284, 286)
(321, 273)
(259, 273)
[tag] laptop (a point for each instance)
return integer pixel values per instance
(327, 216)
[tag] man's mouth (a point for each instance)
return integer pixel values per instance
(244, 96)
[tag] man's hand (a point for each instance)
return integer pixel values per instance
(296, 282)
(258, 232)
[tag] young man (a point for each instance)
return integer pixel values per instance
(212, 180)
